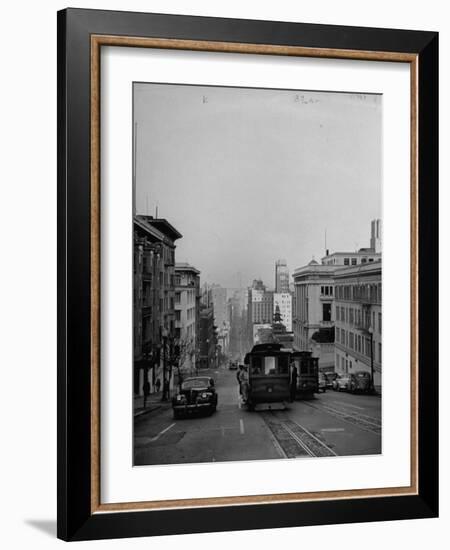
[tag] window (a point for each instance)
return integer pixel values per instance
(379, 352)
(326, 312)
(177, 297)
(353, 261)
(346, 261)
(379, 323)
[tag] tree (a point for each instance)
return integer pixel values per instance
(183, 353)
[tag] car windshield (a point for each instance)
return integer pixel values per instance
(362, 374)
(195, 383)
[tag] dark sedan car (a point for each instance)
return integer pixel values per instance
(360, 382)
(197, 394)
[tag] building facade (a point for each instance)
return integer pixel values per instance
(283, 300)
(218, 299)
(281, 276)
(153, 298)
(187, 315)
(358, 299)
(207, 339)
(313, 318)
(259, 308)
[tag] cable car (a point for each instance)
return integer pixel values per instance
(307, 373)
(268, 377)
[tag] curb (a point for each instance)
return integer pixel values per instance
(147, 410)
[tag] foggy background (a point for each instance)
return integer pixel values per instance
(252, 175)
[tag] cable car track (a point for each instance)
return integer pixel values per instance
(293, 438)
(362, 421)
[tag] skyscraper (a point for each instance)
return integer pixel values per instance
(281, 276)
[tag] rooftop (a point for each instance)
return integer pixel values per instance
(184, 266)
(162, 225)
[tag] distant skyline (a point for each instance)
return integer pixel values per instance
(249, 176)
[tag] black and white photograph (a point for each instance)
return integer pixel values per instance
(257, 282)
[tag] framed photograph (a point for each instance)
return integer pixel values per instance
(247, 256)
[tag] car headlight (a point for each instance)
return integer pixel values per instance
(205, 395)
(181, 397)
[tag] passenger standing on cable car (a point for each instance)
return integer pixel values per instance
(294, 376)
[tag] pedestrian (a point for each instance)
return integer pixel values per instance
(158, 384)
(244, 384)
(146, 390)
(294, 376)
(238, 377)
(165, 394)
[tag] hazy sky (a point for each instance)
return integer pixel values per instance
(249, 176)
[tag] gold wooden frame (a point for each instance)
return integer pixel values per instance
(97, 41)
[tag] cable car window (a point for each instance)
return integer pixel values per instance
(256, 365)
(304, 367)
(269, 365)
(283, 365)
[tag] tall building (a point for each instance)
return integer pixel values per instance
(259, 309)
(375, 236)
(358, 298)
(153, 296)
(238, 329)
(187, 314)
(207, 339)
(281, 276)
(218, 299)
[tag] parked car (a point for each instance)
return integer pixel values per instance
(342, 382)
(322, 386)
(331, 377)
(197, 394)
(232, 365)
(360, 382)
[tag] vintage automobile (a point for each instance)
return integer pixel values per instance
(322, 384)
(232, 365)
(330, 377)
(342, 382)
(197, 394)
(360, 382)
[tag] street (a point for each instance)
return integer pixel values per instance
(331, 424)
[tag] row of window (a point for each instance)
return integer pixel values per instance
(359, 318)
(369, 293)
(358, 343)
(190, 314)
(190, 296)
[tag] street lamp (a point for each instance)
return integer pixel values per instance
(372, 386)
(165, 384)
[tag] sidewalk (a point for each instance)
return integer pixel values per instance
(153, 403)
